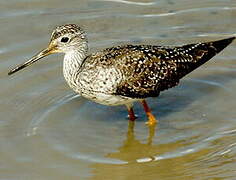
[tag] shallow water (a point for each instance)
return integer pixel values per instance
(49, 132)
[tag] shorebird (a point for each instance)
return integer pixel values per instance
(124, 74)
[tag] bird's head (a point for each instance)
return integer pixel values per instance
(64, 39)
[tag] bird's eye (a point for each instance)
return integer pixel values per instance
(64, 39)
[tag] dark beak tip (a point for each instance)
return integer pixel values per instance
(35, 58)
(12, 71)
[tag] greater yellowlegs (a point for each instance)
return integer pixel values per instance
(124, 74)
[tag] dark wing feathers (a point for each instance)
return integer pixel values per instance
(154, 68)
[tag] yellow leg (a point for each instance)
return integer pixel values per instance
(151, 119)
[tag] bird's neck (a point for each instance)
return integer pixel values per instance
(71, 65)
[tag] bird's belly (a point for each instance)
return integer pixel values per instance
(99, 85)
(107, 99)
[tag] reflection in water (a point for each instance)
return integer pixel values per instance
(133, 146)
(143, 164)
(130, 151)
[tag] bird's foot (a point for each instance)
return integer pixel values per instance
(151, 119)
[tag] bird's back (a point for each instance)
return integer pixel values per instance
(140, 71)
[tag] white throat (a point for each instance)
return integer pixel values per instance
(71, 65)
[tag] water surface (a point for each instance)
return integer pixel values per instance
(49, 132)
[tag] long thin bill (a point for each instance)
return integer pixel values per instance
(35, 58)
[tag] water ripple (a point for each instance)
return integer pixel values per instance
(10, 14)
(33, 126)
(179, 12)
(131, 2)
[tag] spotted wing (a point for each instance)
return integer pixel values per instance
(157, 68)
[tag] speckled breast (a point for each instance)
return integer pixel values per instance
(99, 85)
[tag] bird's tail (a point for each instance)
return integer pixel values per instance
(205, 51)
(201, 53)
(221, 44)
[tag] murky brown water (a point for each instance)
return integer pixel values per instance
(49, 132)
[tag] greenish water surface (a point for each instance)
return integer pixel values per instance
(49, 132)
